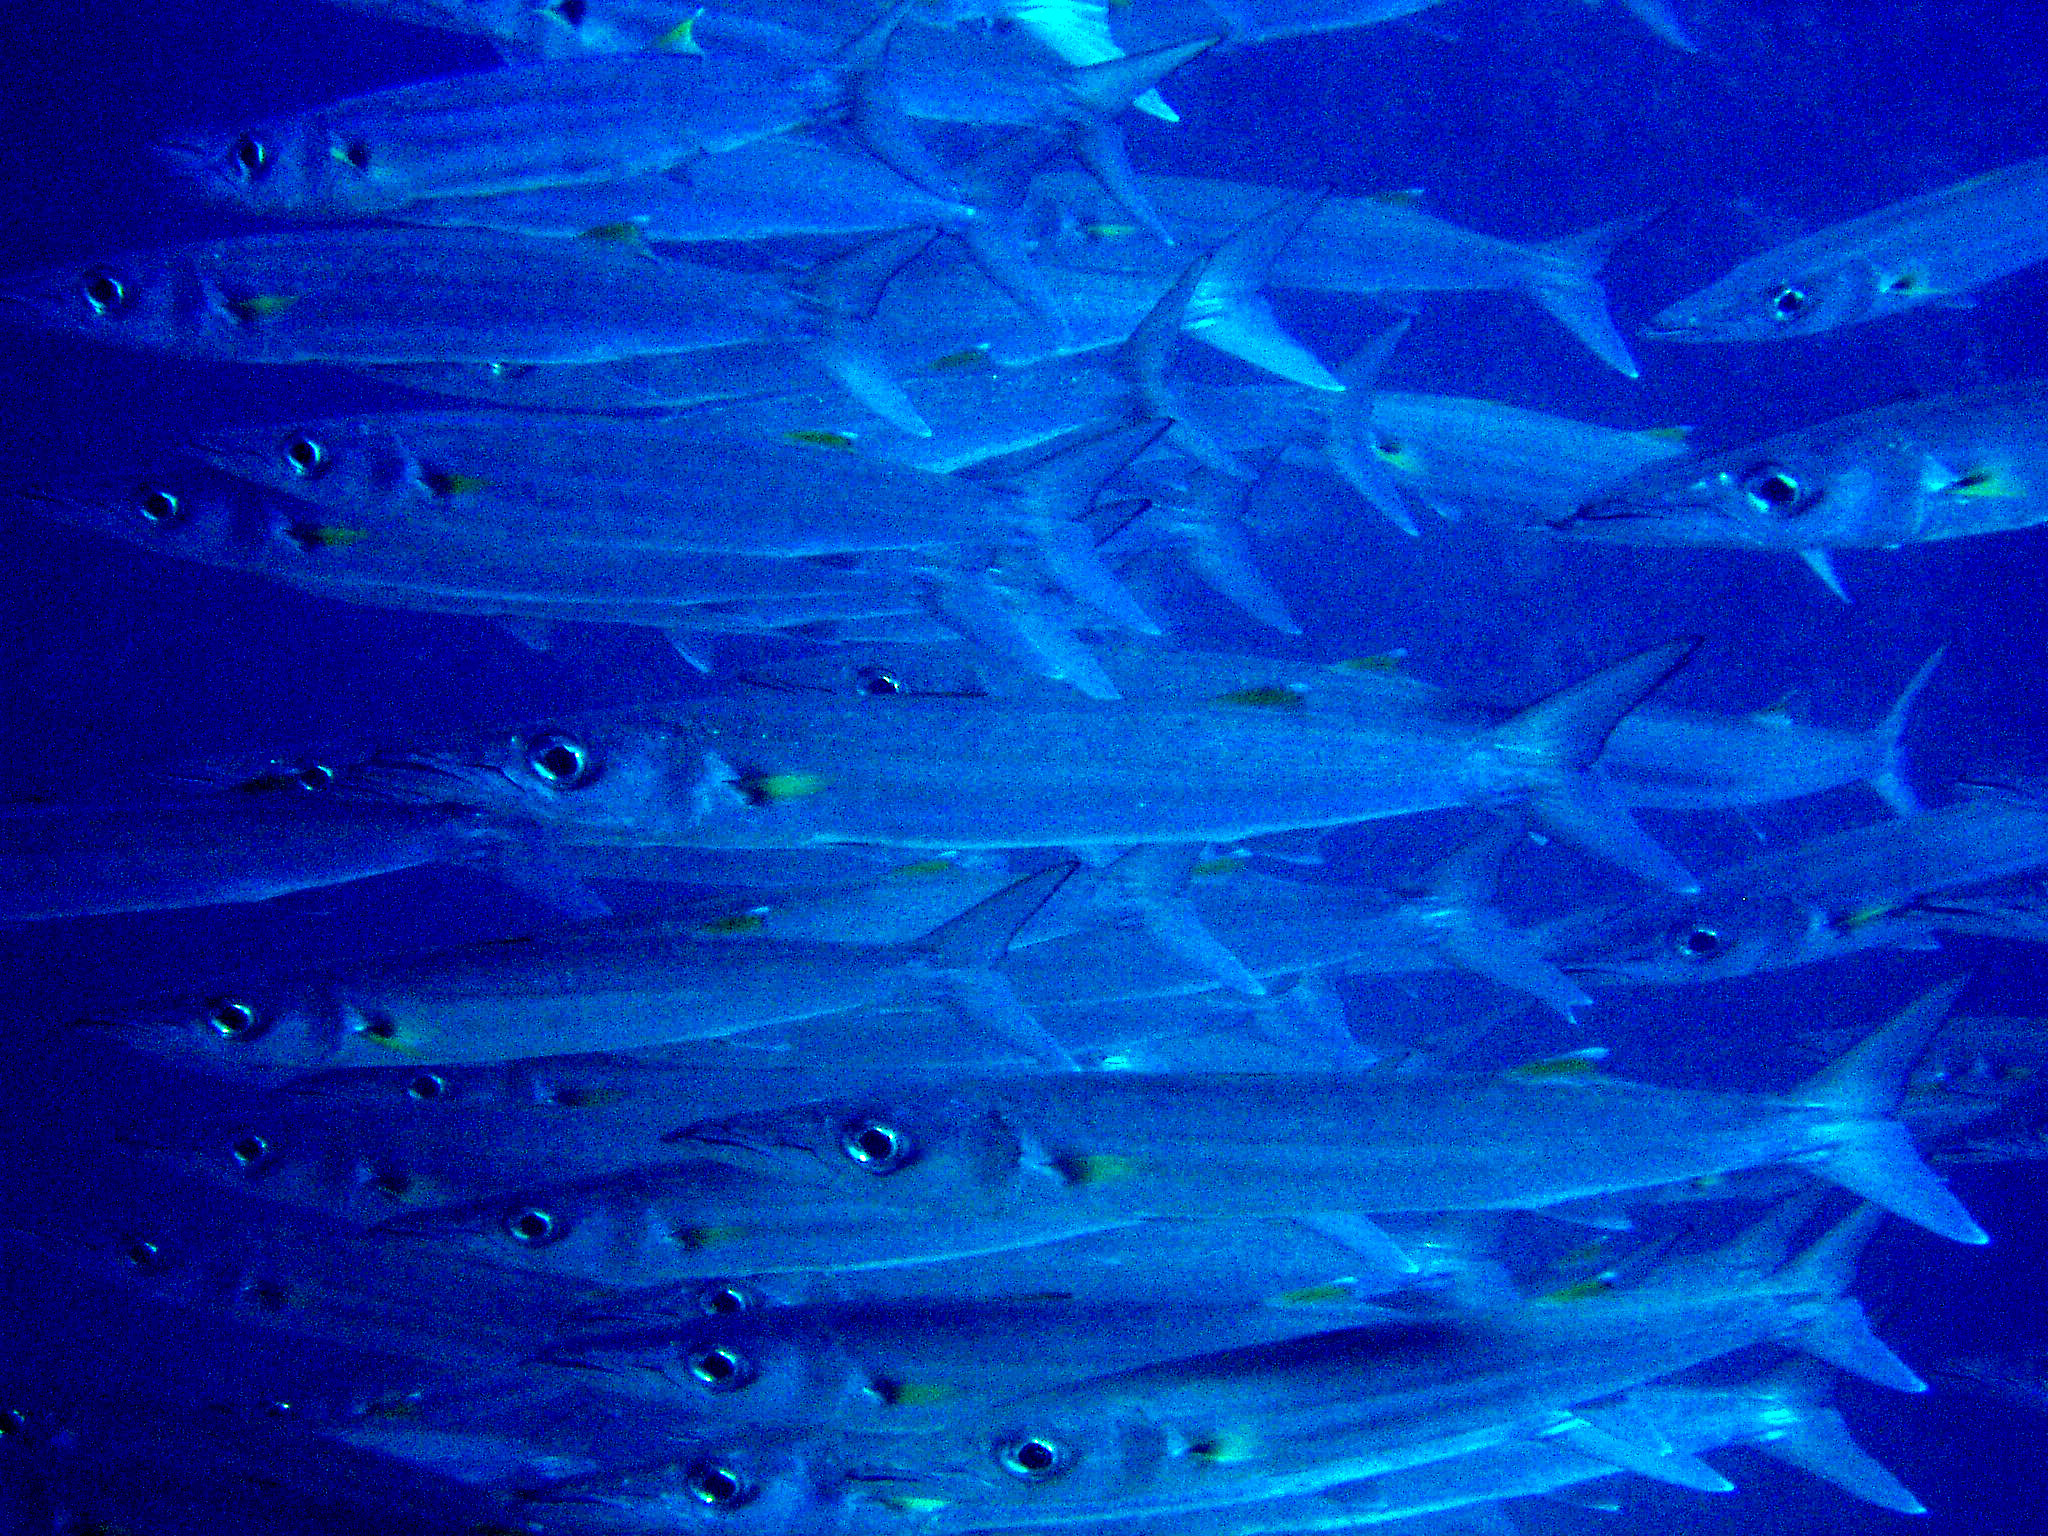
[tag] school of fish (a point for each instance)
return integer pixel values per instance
(948, 1095)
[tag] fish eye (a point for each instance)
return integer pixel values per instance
(725, 1300)
(875, 682)
(874, 1146)
(1033, 1458)
(306, 456)
(159, 508)
(250, 1151)
(532, 1227)
(143, 1254)
(235, 1021)
(561, 763)
(251, 157)
(427, 1087)
(716, 1485)
(312, 776)
(721, 1369)
(1698, 942)
(104, 292)
(1773, 489)
(1789, 302)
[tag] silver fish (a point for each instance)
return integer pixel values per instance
(1932, 249)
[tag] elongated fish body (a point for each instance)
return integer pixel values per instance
(1782, 1416)
(772, 187)
(204, 850)
(364, 552)
(910, 1365)
(1300, 1416)
(709, 1221)
(1460, 451)
(617, 484)
(1924, 250)
(401, 296)
(1831, 895)
(497, 131)
(1192, 1144)
(599, 989)
(649, 383)
(224, 1252)
(747, 770)
(1670, 759)
(1910, 473)
(1349, 245)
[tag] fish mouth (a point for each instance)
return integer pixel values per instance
(1670, 327)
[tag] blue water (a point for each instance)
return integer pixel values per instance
(1523, 118)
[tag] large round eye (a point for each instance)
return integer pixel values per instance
(250, 157)
(720, 1368)
(561, 763)
(725, 1300)
(876, 681)
(104, 293)
(1696, 941)
(305, 456)
(1034, 1458)
(159, 508)
(312, 776)
(875, 1146)
(427, 1087)
(711, 1483)
(1789, 303)
(1774, 490)
(235, 1021)
(532, 1227)
(250, 1151)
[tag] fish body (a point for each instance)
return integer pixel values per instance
(1930, 249)
(695, 1220)
(1459, 452)
(1195, 1144)
(413, 296)
(206, 850)
(623, 485)
(1299, 1417)
(1832, 895)
(783, 186)
(1356, 245)
(754, 771)
(513, 130)
(1916, 472)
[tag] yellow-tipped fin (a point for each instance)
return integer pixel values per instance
(1286, 696)
(682, 37)
(819, 438)
(262, 306)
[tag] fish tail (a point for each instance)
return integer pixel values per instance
(1568, 285)
(1890, 778)
(1873, 1156)
(1553, 743)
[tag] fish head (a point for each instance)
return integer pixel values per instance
(290, 166)
(1721, 936)
(736, 1483)
(912, 1148)
(130, 300)
(263, 1030)
(1796, 492)
(353, 465)
(1039, 1459)
(1764, 300)
(591, 1228)
(175, 506)
(596, 776)
(734, 1367)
